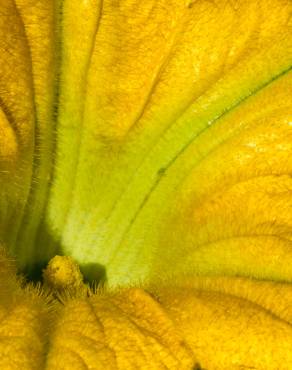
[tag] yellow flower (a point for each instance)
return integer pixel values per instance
(148, 143)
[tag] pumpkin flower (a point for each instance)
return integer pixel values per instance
(145, 184)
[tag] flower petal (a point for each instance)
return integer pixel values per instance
(151, 91)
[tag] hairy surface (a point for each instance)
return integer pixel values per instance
(151, 142)
(210, 323)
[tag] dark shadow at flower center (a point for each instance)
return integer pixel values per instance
(94, 273)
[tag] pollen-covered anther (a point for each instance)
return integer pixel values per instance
(62, 273)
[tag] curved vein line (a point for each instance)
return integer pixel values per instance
(243, 181)
(35, 160)
(181, 112)
(144, 332)
(54, 109)
(75, 354)
(82, 125)
(183, 149)
(243, 236)
(9, 116)
(103, 329)
(165, 168)
(267, 310)
(79, 334)
(161, 69)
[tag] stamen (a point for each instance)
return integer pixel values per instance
(63, 273)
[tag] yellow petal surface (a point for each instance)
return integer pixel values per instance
(198, 323)
(39, 25)
(16, 121)
(231, 214)
(164, 100)
(127, 330)
(27, 90)
(153, 139)
(24, 321)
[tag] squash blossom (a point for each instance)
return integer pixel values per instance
(145, 184)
